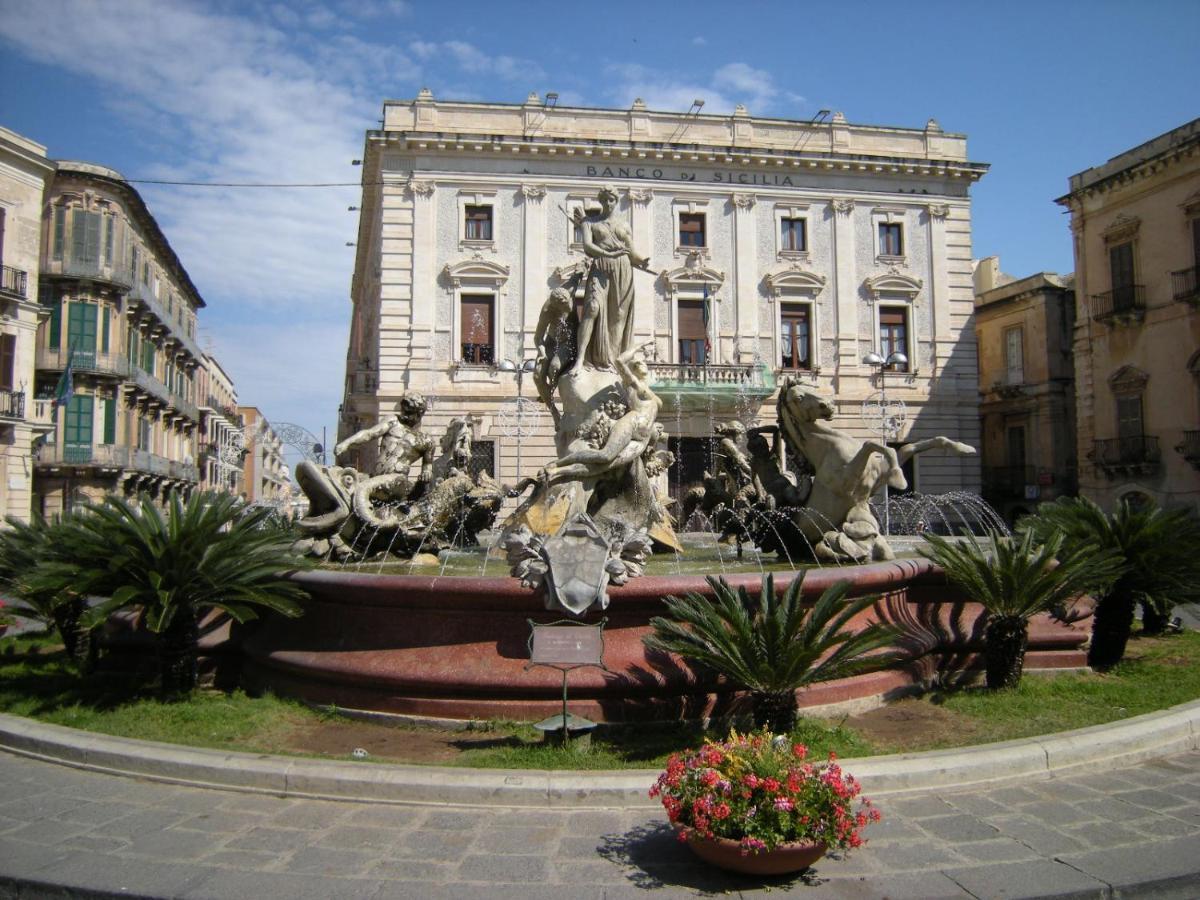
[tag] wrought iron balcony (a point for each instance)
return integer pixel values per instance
(1132, 455)
(83, 360)
(1189, 448)
(1123, 304)
(12, 404)
(1186, 285)
(14, 282)
(70, 266)
(106, 456)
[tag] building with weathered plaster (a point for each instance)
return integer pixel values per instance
(221, 440)
(1136, 227)
(779, 248)
(1024, 329)
(25, 175)
(266, 478)
(119, 315)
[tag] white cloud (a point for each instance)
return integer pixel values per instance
(729, 85)
(470, 60)
(699, 41)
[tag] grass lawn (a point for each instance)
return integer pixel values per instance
(37, 681)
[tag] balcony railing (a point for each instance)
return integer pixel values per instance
(701, 386)
(103, 455)
(1189, 448)
(83, 360)
(143, 295)
(1132, 455)
(1008, 481)
(1122, 304)
(1186, 285)
(14, 282)
(85, 267)
(12, 404)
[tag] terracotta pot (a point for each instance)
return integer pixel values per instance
(783, 860)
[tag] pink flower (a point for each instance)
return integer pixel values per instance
(784, 804)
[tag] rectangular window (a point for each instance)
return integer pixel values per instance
(8, 361)
(1129, 416)
(147, 356)
(81, 333)
(1014, 355)
(85, 236)
(478, 224)
(133, 345)
(135, 256)
(1016, 446)
(104, 330)
(693, 333)
(891, 239)
(110, 420)
(478, 337)
(691, 230)
(893, 334)
(60, 231)
(55, 325)
(109, 235)
(793, 234)
(77, 436)
(1120, 262)
(146, 272)
(796, 340)
(144, 433)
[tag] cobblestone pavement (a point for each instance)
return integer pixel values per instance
(1127, 832)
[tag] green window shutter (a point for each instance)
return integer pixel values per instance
(78, 234)
(110, 420)
(131, 345)
(78, 432)
(104, 331)
(60, 231)
(92, 237)
(81, 331)
(109, 235)
(56, 325)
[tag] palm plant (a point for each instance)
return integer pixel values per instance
(1015, 581)
(1159, 553)
(208, 552)
(770, 646)
(22, 545)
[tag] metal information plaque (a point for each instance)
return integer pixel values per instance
(567, 645)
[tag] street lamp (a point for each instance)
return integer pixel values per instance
(889, 423)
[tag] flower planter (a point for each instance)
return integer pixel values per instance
(783, 860)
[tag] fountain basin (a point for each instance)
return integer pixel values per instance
(457, 647)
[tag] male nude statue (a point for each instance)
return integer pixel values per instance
(401, 444)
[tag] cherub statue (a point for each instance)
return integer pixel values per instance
(555, 339)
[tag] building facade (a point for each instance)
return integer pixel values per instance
(116, 349)
(1024, 329)
(25, 175)
(266, 478)
(1136, 227)
(779, 249)
(221, 441)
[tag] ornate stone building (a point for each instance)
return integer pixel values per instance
(220, 428)
(25, 174)
(1136, 226)
(779, 248)
(1024, 329)
(119, 314)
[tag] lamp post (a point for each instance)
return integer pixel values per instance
(517, 429)
(888, 424)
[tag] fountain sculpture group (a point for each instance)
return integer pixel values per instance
(593, 515)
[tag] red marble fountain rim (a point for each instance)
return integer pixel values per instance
(880, 577)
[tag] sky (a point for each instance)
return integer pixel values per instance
(270, 92)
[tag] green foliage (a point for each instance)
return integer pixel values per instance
(773, 645)
(22, 545)
(205, 552)
(1159, 561)
(1020, 577)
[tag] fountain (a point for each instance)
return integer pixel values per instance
(583, 536)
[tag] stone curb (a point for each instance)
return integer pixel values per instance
(1171, 731)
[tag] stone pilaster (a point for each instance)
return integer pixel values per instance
(745, 257)
(533, 263)
(845, 283)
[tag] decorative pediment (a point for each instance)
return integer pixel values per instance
(1123, 228)
(694, 276)
(893, 281)
(477, 271)
(793, 279)
(1128, 380)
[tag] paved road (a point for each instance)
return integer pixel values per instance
(1129, 832)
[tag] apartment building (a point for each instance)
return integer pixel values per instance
(778, 248)
(1024, 328)
(25, 175)
(222, 442)
(266, 477)
(1135, 221)
(116, 348)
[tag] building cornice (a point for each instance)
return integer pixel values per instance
(1144, 161)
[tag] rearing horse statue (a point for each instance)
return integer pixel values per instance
(847, 473)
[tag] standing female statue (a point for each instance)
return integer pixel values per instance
(607, 327)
